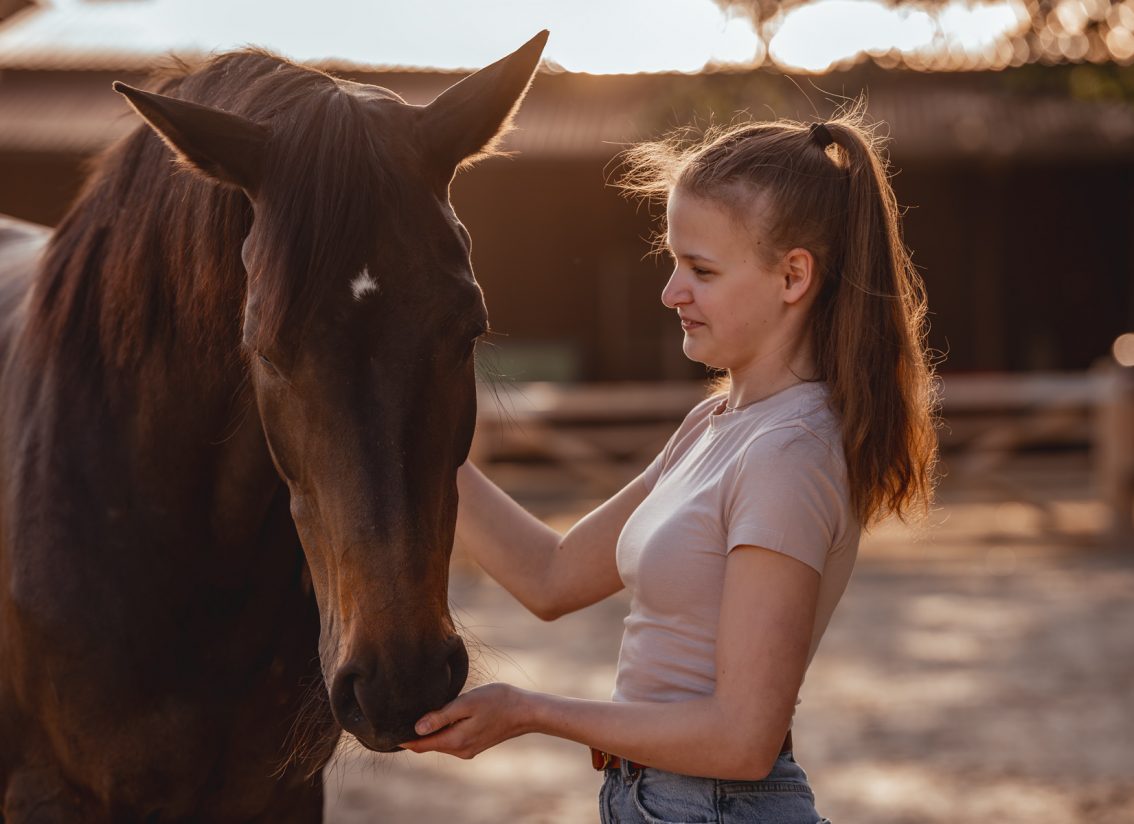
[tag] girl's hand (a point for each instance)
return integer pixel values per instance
(475, 721)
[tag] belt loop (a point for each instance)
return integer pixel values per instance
(630, 770)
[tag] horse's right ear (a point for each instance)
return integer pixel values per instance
(223, 146)
(467, 119)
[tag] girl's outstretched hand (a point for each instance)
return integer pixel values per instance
(475, 721)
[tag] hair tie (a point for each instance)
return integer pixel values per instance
(821, 135)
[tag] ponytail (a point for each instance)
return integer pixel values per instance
(869, 340)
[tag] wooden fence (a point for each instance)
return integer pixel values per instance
(603, 434)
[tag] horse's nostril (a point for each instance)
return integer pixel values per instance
(457, 667)
(344, 700)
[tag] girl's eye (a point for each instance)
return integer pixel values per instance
(699, 272)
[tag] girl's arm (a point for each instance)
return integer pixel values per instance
(549, 573)
(767, 612)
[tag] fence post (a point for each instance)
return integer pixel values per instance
(1114, 449)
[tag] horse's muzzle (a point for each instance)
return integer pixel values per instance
(379, 707)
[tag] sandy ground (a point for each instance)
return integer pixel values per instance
(978, 670)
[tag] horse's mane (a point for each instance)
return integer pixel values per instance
(148, 257)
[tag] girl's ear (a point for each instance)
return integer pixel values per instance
(798, 274)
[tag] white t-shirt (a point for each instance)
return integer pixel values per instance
(770, 475)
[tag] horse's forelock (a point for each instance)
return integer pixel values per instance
(329, 186)
(329, 178)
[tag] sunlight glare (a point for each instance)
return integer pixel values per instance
(596, 36)
(738, 43)
(974, 29)
(593, 36)
(647, 36)
(819, 35)
(1123, 349)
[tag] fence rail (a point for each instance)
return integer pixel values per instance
(605, 433)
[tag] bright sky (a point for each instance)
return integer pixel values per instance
(598, 36)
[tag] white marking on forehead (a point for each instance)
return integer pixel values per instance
(363, 284)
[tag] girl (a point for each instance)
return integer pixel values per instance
(737, 542)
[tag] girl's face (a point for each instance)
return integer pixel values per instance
(732, 305)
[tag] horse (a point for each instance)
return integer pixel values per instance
(236, 384)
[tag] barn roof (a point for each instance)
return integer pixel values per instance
(583, 116)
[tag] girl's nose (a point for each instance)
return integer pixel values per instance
(676, 292)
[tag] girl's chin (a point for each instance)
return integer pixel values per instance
(699, 354)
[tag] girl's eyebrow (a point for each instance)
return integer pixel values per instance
(691, 256)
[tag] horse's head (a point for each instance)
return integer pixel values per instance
(359, 324)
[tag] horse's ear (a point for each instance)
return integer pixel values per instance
(466, 120)
(223, 146)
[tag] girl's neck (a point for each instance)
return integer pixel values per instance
(770, 375)
(740, 398)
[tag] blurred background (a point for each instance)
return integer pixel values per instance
(980, 667)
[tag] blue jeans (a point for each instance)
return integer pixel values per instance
(650, 796)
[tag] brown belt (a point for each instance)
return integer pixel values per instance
(605, 761)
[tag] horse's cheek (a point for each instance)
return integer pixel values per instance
(319, 568)
(274, 416)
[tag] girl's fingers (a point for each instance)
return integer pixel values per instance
(438, 729)
(428, 743)
(442, 741)
(430, 722)
(439, 719)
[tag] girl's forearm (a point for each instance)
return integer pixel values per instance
(695, 737)
(549, 573)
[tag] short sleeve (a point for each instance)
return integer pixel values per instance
(789, 495)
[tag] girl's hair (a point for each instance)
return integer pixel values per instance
(869, 318)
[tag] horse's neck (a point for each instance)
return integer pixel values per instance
(196, 434)
(162, 385)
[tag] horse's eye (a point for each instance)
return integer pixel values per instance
(264, 359)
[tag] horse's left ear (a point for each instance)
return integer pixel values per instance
(465, 121)
(223, 146)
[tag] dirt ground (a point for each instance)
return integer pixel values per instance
(979, 669)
